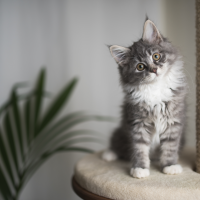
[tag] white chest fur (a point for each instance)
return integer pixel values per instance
(154, 96)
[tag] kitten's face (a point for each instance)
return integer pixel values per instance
(147, 60)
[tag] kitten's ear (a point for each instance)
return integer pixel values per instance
(151, 33)
(119, 53)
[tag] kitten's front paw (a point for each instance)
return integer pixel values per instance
(139, 172)
(109, 155)
(173, 169)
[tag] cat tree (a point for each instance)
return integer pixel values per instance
(198, 86)
(95, 179)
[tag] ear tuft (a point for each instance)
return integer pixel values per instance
(151, 33)
(119, 53)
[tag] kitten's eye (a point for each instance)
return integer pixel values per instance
(156, 56)
(140, 67)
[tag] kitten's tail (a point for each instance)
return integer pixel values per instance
(109, 155)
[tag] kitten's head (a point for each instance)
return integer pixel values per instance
(147, 60)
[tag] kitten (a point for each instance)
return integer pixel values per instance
(153, 112)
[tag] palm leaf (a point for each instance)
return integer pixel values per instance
(27, 117)
(10, 137)
(66, 141)
(30, 124)
(39, 93)
(64, 124)
(4, 157)
(57, 104)
(33, 168)
(71, 123)
(44, 136)
(72, 142)
(5, 190)
(21, 97)
(45, 133)
(17, 119)
(44, 144)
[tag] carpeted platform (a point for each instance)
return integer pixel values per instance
(112, 180)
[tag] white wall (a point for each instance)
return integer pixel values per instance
(69, 38)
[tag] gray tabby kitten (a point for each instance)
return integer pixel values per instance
(153, 112)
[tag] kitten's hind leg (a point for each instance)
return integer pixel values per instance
(109, 155)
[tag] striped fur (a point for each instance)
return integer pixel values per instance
(153, 112)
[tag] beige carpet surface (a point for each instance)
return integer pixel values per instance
(112, 180)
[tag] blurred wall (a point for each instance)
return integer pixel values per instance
(179, 26)
(69, 38)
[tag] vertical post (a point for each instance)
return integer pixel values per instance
(198, 86)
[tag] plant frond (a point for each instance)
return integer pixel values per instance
(4, 187)
(28, 138)
(55, 125)
(33, 168)
(10, 138)
(41, 146)
(63, 125)
(27, 118)
(57, 104)
(4, 157)
(62, 142)
(73, 141)
(17, 119)
(15, 87)
(39, 88)
(68, 122)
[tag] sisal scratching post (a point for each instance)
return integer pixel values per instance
(198, 86)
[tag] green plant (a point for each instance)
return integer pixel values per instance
(28, 137)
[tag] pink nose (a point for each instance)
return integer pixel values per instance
(154, 70)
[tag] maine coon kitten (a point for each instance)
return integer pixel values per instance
(153, 112)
